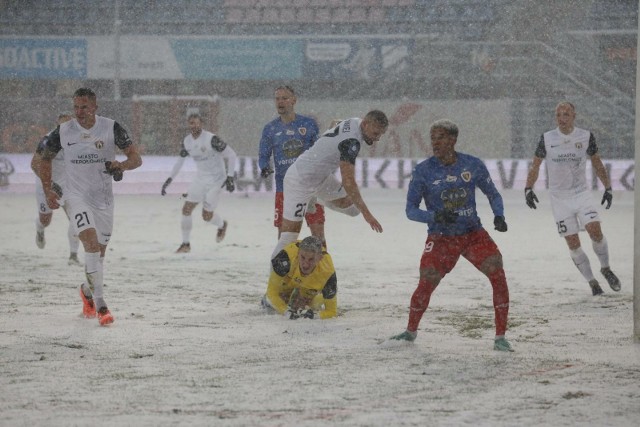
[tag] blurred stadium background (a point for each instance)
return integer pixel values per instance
(497, 67)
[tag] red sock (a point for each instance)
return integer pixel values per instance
(419, 303)
(500, 300)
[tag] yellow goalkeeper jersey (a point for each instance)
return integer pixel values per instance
(318, 290)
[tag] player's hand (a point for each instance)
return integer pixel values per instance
(52, 199)
(445, 216)
(500, 224)
(373, 222)
(265, 172)
(607, 197)
(291, 314)
(229, 184)
(114, 169)
(531, 198)
(307, 314)
(165, 185)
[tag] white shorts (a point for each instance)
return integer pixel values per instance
(207, 192)
(83, 217)
(573, 212)
(297, 194)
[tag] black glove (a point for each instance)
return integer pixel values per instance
(229, 184)
(165, 185)
(446, 216)
(116, 173)
(307, 314)
(266, 172)
(291, 315)
(531, 198)
(500, 224)
(607, 197)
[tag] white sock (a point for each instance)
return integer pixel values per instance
(74, 242)
(581, 261)
(39, 226)
(601, 249)
(285, 238)
(216, 220)
(186, 224)
(94, 272)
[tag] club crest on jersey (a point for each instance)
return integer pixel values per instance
(303, 131)
(99, 144)
(579, 145)
(466, 176)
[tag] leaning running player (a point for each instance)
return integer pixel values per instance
(312, 175)
(89, 145)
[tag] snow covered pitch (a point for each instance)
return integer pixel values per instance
(190, 345)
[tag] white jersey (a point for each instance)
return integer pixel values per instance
(566, 157)
(208, 152)
(321, 160)
(85, 152)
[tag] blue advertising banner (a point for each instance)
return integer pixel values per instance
(348, 58)
(239, 59)
(27, 58)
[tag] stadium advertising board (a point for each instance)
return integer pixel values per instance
(36, 58)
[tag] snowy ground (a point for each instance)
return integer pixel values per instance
(191, 347)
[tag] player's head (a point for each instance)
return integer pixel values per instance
(195, 124)
(285, 98)
(444, 134)
(64, 116)
(309, 254)
(565, 116)
(85, 107)
(373, 126)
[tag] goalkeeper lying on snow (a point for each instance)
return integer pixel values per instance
(303, 282)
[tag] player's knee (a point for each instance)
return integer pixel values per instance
(430, 276)
(491, 264)
(45, 219)
(207, 215)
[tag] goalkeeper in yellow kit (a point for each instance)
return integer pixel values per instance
(303, 282)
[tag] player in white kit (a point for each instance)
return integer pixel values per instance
(44, 212)
(208, 152)
(312, 177)
(566, 150)
(89, 145)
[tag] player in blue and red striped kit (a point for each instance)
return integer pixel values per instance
(285, 138)
(447, 183)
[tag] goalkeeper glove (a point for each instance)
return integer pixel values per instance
(229, 184)
(446, 216)
(530, 197)
(607, 197)
(500, 224)
(265, 172)
(165, 185)
(115, 172)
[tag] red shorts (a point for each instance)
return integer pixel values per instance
(442, 252)
(314, 218)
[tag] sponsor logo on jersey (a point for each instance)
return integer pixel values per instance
(302, 130)
(290, 132)
(466, 176)
(99, 144)
(292, 148)
(69, 144)
(451, 178)
(436, 182)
